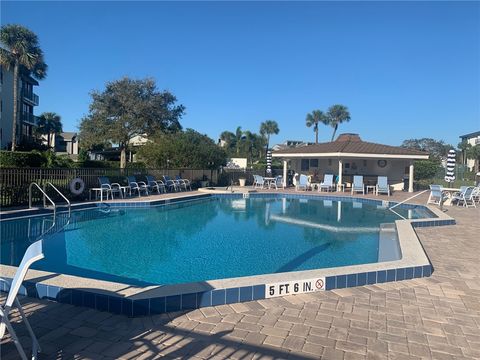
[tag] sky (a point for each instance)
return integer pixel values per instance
(404, 69)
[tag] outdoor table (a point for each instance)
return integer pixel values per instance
(370, 187)
(270, 181)
(98, 190)
(341, 187)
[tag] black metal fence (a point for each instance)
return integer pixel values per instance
(14, 182)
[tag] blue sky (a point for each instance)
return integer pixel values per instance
(405, 70)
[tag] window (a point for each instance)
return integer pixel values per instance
(305, 165)
(314, 163)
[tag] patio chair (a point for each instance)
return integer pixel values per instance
(357, 185)
(137, 186)
(154, 184)
(437, 196)
(303, 183)
(327, 183)
(476, 194)
(185, 183)
(171, 185)
(258, 182)
(465, 196)
(112, 188)
(33, 253)
(382, 186)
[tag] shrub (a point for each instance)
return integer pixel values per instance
(21, 159)
(426, 169)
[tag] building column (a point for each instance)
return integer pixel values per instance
(410, 177)
(284, 174)
(340, 171)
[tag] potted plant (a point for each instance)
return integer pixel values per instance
(204, 181)
(242, 181)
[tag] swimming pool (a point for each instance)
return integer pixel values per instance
(216, 237)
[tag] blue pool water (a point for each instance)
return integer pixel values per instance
(205, 239)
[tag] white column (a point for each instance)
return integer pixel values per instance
(410, 178)
(284, 174)
(340, 170)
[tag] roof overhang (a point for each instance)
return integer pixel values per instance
(341, 155)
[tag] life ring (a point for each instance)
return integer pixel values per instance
(77, 186)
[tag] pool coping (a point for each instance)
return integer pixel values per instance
(133, 300)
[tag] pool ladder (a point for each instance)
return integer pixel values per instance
(46, 197)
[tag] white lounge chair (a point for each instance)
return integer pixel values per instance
(34, 253)
(137, 186)
(108, 187)
(357, 185)
(437, 196)
(465, 196)
(382, 186)
(155, 185)
(259, 182)
(327, 183)
(303, 183)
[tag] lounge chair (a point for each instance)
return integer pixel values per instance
(259, 182)
(155, 185)
(110, 188)
(137, 186)
(33, 253)
(465, 197)
(303, 183)
(437, 196)
(382, 186)
(327, 183)
(357, 185)
(185, 183)
(171, 185)
(278, 182)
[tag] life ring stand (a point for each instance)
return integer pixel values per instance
(77, 186)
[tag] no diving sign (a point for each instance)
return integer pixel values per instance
(294, 287)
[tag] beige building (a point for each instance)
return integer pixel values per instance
(472, 139)
(27, 100)
(348, 156)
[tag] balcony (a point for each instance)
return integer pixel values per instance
(31, 98)
(29, 118)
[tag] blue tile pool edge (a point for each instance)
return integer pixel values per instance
(190, 301)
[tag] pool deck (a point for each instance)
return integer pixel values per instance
(436, 317)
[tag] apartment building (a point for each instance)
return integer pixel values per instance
(27, 100)
(472, 139)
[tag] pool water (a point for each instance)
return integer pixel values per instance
(204, 239)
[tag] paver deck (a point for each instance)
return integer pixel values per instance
(436, 317)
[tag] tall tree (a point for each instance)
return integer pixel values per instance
(49, 124)
(229, 140)
(20, 50)
(437, 149)
(336, 115)
(127, 108)
(313, 119)
(267, 128)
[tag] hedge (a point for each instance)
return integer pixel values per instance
(21, 159)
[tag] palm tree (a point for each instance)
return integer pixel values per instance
(268, 128)
(336, 115)
(49, 123)
(315, 117)
(20, 50)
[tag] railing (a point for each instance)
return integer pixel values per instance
(63, 196)
(29, 118)
(45, 197)
(31, 97)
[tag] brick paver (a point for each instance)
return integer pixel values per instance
(436, 317)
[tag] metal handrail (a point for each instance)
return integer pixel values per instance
(411, 197)
(45, 196)
(63, 196)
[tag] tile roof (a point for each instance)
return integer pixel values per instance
(351, 143)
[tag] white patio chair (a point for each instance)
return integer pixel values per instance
(138, 186)
(108, 187)
(170, 184)
(437, 196)
(154, 184)
(259, 182)
(327, 183)
(185, 183)
(303, 183)
(465, 196)
(357, 185)
(382, 186)
(34, 253)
